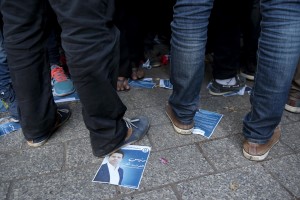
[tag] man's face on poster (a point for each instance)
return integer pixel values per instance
(115, 158)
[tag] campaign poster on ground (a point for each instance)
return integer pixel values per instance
(124, 167)
(206, 122)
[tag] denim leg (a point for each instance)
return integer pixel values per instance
(4, 71)
(189, 34)
(278, 55)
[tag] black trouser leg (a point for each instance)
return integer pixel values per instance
(24, 27)
(91, 43)
(226, 44)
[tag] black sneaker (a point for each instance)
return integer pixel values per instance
(218, 89)
(63, 114)
(137, 129)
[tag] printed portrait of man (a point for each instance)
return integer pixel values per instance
(111, 172)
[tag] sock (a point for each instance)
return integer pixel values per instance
(229, 81)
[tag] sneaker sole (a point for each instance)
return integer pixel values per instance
(179, 130)
(38, 144)
(249, 77)
(63, 94)
(258, 158)
(218, 94)
(292, 109)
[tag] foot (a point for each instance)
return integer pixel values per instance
(137, 73)
(137, 129)
(122, 84)
(293, 103)
(184, 129)
(63, 114)
(259, 152)
(62, 84)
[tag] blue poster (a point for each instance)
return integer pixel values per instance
(206, 122)
(71, 97)
(9, 127)
(124, 167)
(144, 83)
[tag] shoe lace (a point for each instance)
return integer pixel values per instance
(58, 74)
(129, 122)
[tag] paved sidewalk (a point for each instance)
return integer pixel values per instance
(198, 168)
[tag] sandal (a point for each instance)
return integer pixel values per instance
(137, 73)
(122, 84)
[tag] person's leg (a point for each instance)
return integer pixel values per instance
(23, 33)
(226, 21)
(227, 39)
(189, 34)
(7, 93)
(61, 83)
(121, 18)
(251, 30)
(91, 44)
(293, 103)
(278, 55)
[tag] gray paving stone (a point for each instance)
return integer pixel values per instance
(183, 163)
(12, 141)
(231, 123)
(144, 142)
(290, 117)
(3, 190)
(223, 104)
(247, 183)
(227, 153)
(291, 135)
(164, 136)
(287, 171)
(79, 152)
(74, 184)
(156, 114)
(161, 194)
(240, 102)
(127, 100)
(233, 115)
(144, 98)
(31, 162)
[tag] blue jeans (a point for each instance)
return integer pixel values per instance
(4, 71)
(278, 54)
(189, 35)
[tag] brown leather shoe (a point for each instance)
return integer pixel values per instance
(179, 127)
(259, 152)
